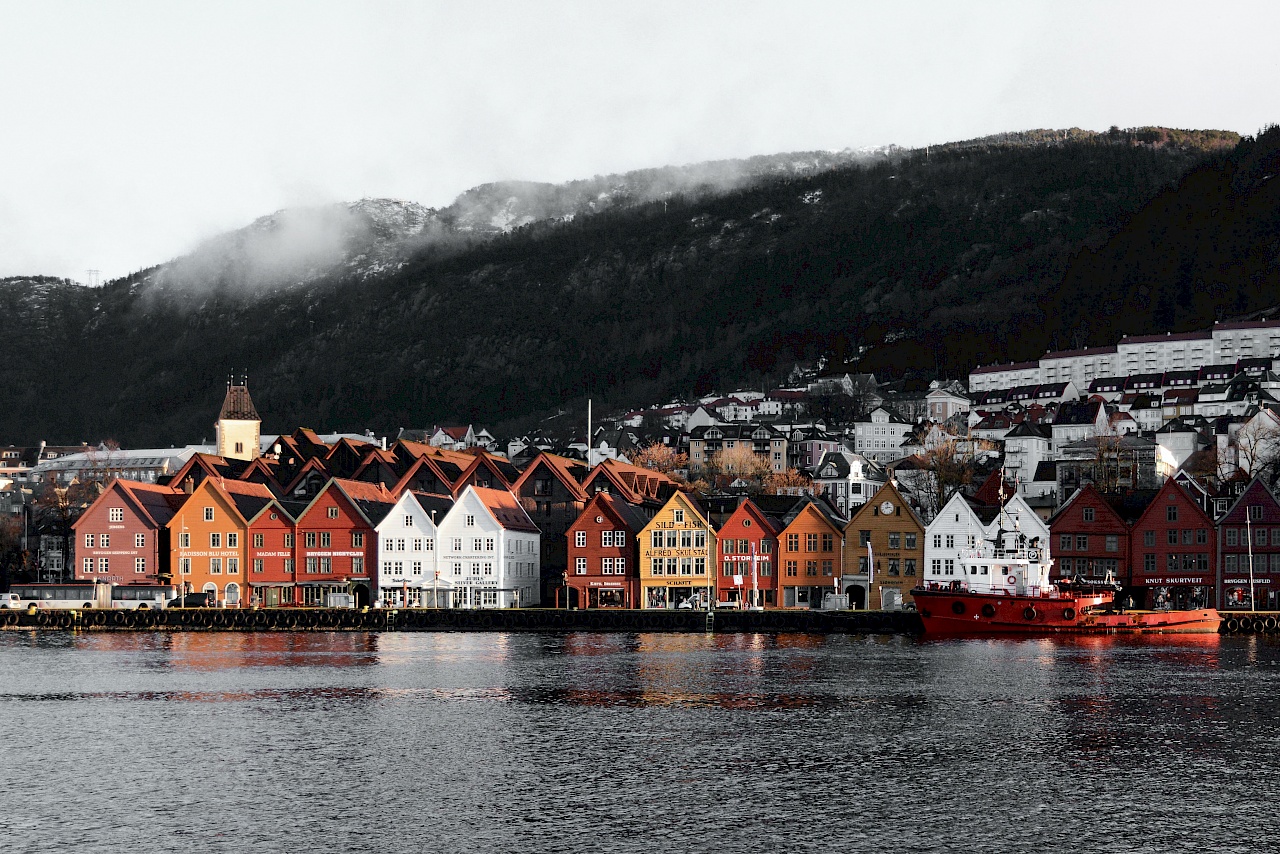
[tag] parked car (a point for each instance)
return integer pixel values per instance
(193, 600)
(10, 600)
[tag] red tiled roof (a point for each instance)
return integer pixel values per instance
(1248, 324)
(1179, 336)
(237, 405)
(561, 467)
(506, 509)
(1083, 351)
(1012, 366)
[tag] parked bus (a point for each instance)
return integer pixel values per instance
(141, 597)
(80, 594)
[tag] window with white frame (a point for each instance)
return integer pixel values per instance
(139, 564)
(116, 514)
(580, 539)
(580, 566)
(208, 514)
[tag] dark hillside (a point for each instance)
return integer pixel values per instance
(933, 261)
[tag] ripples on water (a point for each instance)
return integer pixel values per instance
(644, 743)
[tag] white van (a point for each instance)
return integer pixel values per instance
(10, 600)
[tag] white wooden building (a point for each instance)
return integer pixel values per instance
(408, 554)
(489, 551)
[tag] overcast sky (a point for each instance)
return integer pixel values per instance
(129, 131)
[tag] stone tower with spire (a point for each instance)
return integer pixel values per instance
(239, 429)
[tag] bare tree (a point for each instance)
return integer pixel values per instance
(1258, 445)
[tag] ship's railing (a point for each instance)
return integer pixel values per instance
(1049, 591)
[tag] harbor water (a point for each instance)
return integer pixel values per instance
(491, 742)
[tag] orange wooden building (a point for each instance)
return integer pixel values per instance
(810, 555)
(208, 537)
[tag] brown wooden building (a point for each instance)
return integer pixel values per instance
(883, 576)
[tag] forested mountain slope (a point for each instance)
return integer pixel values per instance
(934, 261)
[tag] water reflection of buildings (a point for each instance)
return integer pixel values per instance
(1153, 708)
(674, 670)
(212, 651)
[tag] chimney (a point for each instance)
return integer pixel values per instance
(188, 485)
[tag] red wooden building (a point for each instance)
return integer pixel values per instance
(1089, 535)
(1172, 548)
(1250, 529)
(122, 538)
(272, 554)
(747, 545)
(604, 554)
(336, 546)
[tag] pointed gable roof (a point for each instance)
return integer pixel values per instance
(634, 484)
(807, 506)
(424, 469)
(345, 457)
(505, 509)
(307, 443)
(435, 506)
(249, 498)
(372, 499)
(770, 525)
(561, 468)
(484, 460)
(888, 492)
(1172, 486)
(237, 405)
(203, 465)
(153, 503)
(625, 513)
(989, 492)
(263, 470)
(314, 465)
(1255, 488)
(1088, 493)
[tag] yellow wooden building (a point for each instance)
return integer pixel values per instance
(677, 557)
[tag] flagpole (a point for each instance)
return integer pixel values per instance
(755, 580)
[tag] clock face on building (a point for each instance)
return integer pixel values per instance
(886, 508)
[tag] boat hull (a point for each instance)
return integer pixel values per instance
(958, 613)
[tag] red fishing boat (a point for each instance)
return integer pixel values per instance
(1008, 591)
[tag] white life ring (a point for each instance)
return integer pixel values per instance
(1034, 554)
(1012, 580)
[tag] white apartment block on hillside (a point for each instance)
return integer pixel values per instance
(1225, 343)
